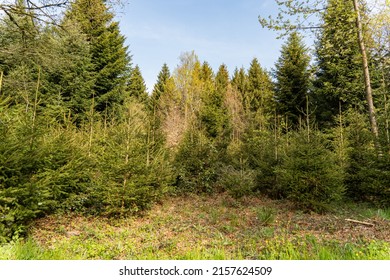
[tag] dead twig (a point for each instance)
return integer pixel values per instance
(360, 222)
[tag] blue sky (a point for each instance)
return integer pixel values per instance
(219, 31)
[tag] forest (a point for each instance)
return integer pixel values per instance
(81, 137)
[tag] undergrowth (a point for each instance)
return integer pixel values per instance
(209, 228)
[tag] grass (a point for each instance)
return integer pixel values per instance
(217, 227)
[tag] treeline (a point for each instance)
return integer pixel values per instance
(79, 132)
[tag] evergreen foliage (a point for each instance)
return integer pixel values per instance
(213, 113)
(367, 176)
(260, 150)
(308, 173)
(238, 182)
(70, 78)
(196, 164)
(136, 86)
(258, 97)
(240, 80)
(109, 56)
(41, 167)
(339, 77)
(160, 87)
(132, 175)
(292, 79)
(78, 131)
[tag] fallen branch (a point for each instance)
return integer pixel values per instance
(359, 222)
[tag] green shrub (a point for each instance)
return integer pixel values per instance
(238, 182)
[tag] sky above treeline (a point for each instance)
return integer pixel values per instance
(219, 31)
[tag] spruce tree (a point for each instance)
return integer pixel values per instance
(19, 53)
(258, 98)
(222, 80)
(207, 74)
(292, 79)
(240, 80)
(160, 87)
(136, 86)
(339, 78)
(69, 77)
(109, 55)
(308, 173)
(213, 113)
(207, 78)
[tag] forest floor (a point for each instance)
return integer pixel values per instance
(212, 227)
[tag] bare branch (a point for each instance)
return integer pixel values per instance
(45, 11)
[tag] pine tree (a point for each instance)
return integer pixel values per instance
(339, 79)
(109, 55)
(136, 86)
(292, 79)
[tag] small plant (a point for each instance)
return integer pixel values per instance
(237, 182)
(384, 213)
(265, 216)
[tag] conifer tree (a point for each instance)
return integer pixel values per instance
(207, 78)
(160, 87)
(341, 21)
(339, 78)
(240, 80)
(222, 79)
(19, 53)
(136, 85)
(69, 77)
(213, 113)
(258, 98)
(207, 73)
(292, 79)
(109, 55)
(308, 173)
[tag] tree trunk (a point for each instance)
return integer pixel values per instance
(367, 79)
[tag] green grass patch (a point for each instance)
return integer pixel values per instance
(279, 248)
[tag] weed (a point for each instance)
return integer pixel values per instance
(265, 216)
